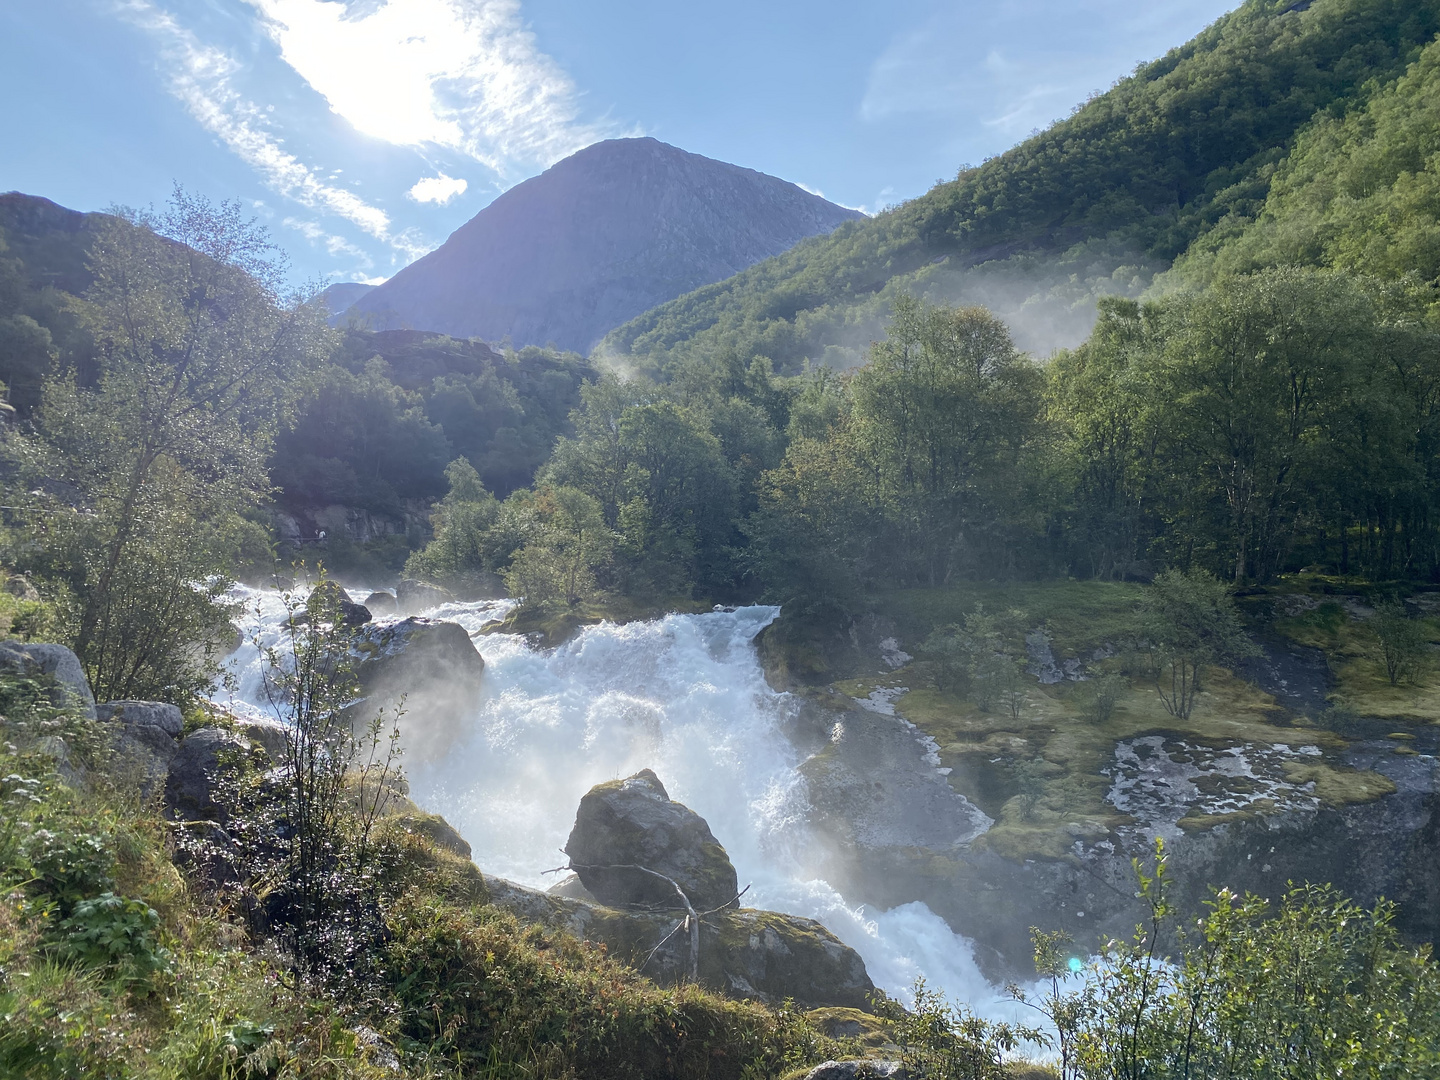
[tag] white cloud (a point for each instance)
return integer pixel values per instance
(462, 74)
(334, 245)
(437, 189)
(201, 76)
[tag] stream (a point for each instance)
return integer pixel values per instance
(683, 695)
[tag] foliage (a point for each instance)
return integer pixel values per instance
(138, 477)
(949, 1042)
(1403, 644)
(1104, 196)
(569, 543)
(1189, 621)
(1316, 987)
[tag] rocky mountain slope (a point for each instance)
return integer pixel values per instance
(595, 240)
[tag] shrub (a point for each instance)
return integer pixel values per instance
(1403, 646)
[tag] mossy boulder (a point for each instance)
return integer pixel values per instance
(628, 827)
(330, 600)
(743, 952)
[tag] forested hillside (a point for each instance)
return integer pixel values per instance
(363, 446)
(1095, 205)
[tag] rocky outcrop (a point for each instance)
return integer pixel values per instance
(146, 742)
(745, 953)
(429, 668)
(197, 772)
(53, 662)
(629, 831)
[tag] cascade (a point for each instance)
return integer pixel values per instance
(683, 695)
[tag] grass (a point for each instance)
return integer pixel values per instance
(1039, 776)
(462, 989)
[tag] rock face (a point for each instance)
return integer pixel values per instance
(632, 823)
(431, 665)
(55, 661)
(759, 955)
(198, 766)
(147, 742)
(597, 239)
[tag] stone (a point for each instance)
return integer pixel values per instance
(572, 888)
(19, 585)
(382, 603)
(192, 783)
(59, 663)
(431, 666)
(437, 830)
(146, 742)
(633, 823)
(330, 595)
(270, 735)
(413, 597)
(744, 953)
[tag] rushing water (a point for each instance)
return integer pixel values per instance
(685, 696)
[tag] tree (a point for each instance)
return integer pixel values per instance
(557, 566)
(1189, 619)
(460, 554)
(1403, 644)
(942, 410)
(201, 352)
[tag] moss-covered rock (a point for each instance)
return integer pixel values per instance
(629, 831)
(743, 952)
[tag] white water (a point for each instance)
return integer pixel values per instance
(686, 697)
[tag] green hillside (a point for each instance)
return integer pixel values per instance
(1359, 193)
(1097, 204)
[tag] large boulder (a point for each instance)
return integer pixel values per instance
(146, 741)
(330, 596)
(381, 604)
(197, 772)
(413, 597)
(626, 825)
(53, 662)
(743, 953)
(429, 667)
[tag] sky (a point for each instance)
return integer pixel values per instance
(363, 132)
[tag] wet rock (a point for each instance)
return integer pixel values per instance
(430, 666)
(330, 596)
(412, 597)
(146, 742)
(744, 953)
(54, 662)
(381, 604)
(1041, 657)
(632, 823)
(193, 782)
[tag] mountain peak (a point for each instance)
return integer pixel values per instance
(596, 239)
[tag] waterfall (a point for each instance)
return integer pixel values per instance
(683, 695)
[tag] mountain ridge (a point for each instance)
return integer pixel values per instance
(595, 240)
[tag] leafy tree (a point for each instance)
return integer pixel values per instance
(1403, 644)
(571, 541)
(200, 351)
(1189, 620)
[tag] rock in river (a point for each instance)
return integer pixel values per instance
(632, 823)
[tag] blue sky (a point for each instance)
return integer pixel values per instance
(364, 131)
